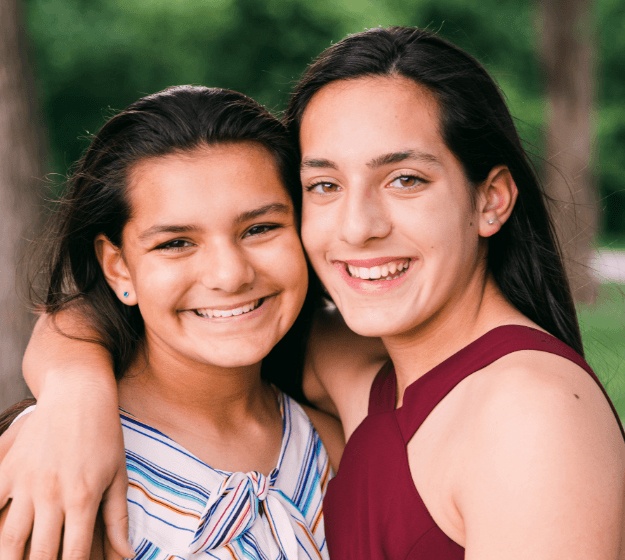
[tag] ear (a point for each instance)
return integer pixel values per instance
(496, 199)
(115, 270)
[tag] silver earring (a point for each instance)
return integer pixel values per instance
(491, 221)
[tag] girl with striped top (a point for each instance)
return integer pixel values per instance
(178, 241)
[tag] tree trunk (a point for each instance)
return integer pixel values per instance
(567, 56)
(20, 165)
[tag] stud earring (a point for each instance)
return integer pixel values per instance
(126, 294)
(491, 221)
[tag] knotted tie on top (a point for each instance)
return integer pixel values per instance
(239, 503)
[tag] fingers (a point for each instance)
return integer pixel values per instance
(16, 524)
(115, 516)
(78, 531)
(46, 536)
(110, 553)
(4, 493)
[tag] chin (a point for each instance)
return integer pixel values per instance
(377, 323)
(365, 326)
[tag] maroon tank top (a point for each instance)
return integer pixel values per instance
(372, 509)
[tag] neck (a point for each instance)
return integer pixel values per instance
(482, 308)
(166, 391)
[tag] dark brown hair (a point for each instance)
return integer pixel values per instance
(524, 256)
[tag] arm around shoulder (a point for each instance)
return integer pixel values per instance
(63, 349)
(340, 368)
(330, 432)
(69, 456)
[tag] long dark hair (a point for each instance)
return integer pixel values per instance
(524, 256)
(175, 120)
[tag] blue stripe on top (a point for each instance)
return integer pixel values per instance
(181, 508)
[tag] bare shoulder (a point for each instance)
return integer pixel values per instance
(340, 368)
(544, 461)
(331, 433)
(555, 389)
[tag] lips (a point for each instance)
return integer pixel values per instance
(212, 313)
(384, 268)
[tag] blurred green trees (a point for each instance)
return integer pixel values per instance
(96, 55)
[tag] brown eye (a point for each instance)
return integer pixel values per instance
(406, 182)
(323, 187)
(174, 245)
(260, 229)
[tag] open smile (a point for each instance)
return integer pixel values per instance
(389, 270)
(210, 313)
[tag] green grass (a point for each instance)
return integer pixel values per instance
(603, 333)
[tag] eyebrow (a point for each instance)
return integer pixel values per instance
(166, 228)
(318, 163)
(276, 207)
(378, 161)
(396, 157)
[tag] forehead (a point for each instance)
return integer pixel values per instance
(371, 115)
(208, 180)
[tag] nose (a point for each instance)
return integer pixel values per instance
(363, 218)
(227, 268)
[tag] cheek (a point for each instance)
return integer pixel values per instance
(314, 232)
(153, 281)
(298, 270)
(285, 263)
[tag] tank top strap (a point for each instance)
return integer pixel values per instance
(383, 395)
(422, 396)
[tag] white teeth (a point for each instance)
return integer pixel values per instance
(213, 313)
(385, 272)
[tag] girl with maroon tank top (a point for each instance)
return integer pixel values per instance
(489, 437)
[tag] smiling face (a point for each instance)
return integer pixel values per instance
(390, 221)
(211, 255)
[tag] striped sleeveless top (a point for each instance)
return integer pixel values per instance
(181, 508)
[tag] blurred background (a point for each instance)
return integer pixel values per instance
(65, 65)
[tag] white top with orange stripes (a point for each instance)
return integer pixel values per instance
(181, 508)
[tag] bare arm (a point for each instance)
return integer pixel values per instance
(546, 478)
(69, 456)
(331, 433)
(340, 368)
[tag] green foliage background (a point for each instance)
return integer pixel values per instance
(92, 56)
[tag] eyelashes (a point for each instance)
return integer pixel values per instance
(177, 245)
(260, 229)
(174, 245)
(407, 182)
(404, 182)
(322, 187)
